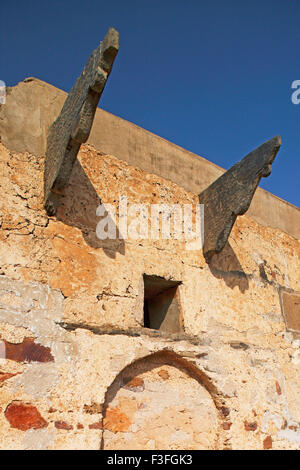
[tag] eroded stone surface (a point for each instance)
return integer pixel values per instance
(82, 298)
(180, 408)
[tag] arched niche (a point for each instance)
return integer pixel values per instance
(161, 402)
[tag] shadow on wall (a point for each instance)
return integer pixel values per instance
(226, 266)
(161, 391)
(78, 207)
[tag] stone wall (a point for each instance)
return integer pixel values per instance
(33, 105)
(78, 369)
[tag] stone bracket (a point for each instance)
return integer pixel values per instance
(73, 125)
(232, 193)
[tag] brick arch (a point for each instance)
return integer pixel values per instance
(162, 401)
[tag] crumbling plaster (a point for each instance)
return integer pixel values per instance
(83, 299)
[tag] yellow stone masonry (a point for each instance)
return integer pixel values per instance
(83, 372)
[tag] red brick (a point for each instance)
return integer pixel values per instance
(24, 416)
(63, 425)
(250, 426)
(226, 426)
(97, 425)
(268, 443)
(27, 351)
(278, 388)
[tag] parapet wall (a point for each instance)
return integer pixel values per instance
(33, 105)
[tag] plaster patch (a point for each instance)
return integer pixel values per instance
(38, 380)
(271, 417)
(41, 439)
(290, 435)
(40, 313)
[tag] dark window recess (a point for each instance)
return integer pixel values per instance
(161, 304)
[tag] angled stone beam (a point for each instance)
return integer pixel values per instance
(231, 195)
(73, 125)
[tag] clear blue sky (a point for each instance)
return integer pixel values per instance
(213, 76)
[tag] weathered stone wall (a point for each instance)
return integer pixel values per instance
(33, 105)
(77, 368)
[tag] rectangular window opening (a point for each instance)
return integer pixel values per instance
(161, 304)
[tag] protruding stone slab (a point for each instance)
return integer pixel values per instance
(231, 195)
(73, 125)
